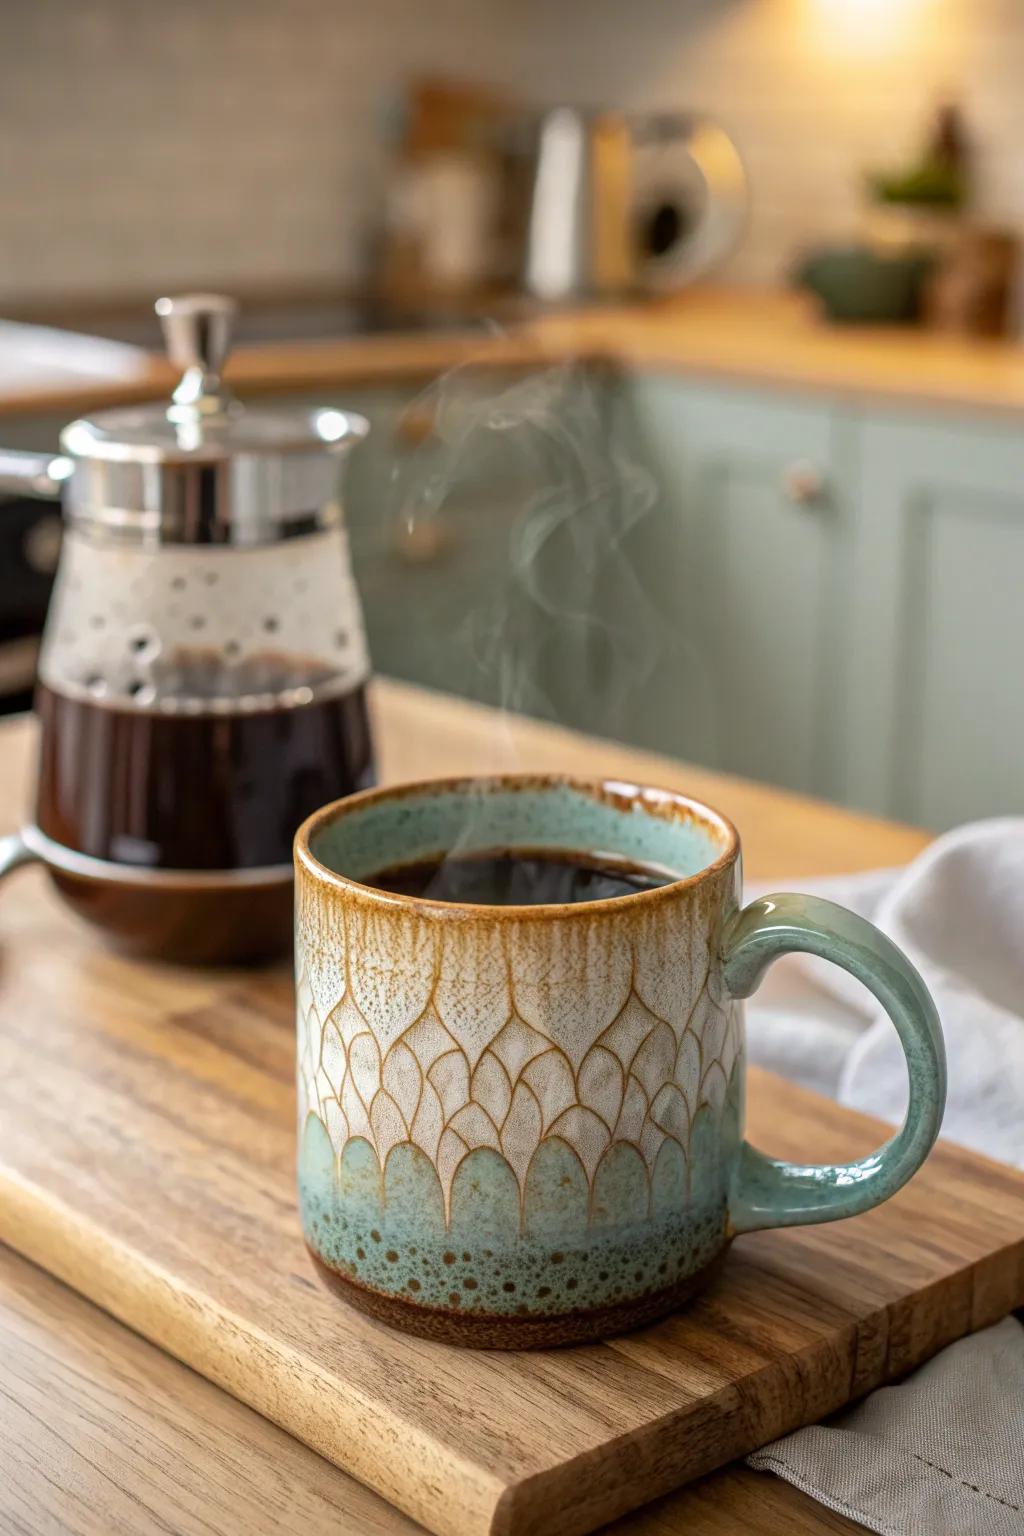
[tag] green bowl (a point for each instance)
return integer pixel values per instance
(859, 285)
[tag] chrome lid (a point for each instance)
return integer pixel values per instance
(204, 468)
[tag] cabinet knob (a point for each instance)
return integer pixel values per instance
(803, 483)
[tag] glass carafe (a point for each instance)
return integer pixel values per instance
(203, 669)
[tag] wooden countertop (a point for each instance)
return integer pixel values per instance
(104, 1433)
(764, 338)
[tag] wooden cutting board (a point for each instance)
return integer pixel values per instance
(146, 1158)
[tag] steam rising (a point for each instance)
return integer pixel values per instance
(559, 625)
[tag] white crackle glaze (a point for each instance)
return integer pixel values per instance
(456, 1029)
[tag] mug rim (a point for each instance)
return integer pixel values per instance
(336, 810)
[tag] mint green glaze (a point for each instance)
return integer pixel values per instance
(767, 1193)
(599, 1047)
(400, 831)
(562, 1252)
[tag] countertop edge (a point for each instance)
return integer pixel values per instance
(761, 340)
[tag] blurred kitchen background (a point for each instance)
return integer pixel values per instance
(696, 414)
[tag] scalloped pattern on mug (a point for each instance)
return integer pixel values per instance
(503, 1035)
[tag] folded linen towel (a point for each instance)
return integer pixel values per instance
(943, 1451)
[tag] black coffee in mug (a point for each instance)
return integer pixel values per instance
(520, 877)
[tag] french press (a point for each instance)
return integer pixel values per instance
(202, 676)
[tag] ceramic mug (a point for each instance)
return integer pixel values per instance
(523, 1126)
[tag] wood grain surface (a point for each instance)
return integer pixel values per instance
(423, 734)
(103, 1435)
(145, 1158)
(765, 338)
(145, 1138)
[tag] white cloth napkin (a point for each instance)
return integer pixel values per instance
(944, 1451)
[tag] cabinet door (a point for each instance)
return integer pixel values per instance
(937, 638)
(758, 533)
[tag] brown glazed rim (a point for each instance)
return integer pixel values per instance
(614, 790)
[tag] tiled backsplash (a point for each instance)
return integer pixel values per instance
(153, 142)
(175, 141)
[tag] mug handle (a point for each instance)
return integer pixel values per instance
(768, 1193)
(14, 852)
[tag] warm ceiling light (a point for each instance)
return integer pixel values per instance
(868, 26)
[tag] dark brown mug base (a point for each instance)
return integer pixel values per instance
(479, 1330)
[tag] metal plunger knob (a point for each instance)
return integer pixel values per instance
(197, 334)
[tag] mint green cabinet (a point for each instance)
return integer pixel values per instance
(936, 629)
(754, 573)
(849, 595)
(790, 587)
